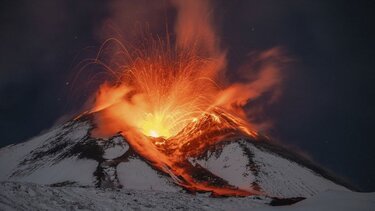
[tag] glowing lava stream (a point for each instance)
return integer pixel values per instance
(172, 165)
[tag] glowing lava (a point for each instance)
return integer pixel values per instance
(169, 100)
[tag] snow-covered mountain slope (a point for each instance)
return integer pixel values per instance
(21, 196)
(69, 156)
(249, 166)
(28, 196)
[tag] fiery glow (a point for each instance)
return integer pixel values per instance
(162, 91)
(169, 100)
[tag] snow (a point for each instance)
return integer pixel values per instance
(332, 200)
(274, 175)
(12, 155)
(284, 178)
(80, 171)
(76, 131)
(48, 169)
(23, 196)
(231, 165)
(27, 196)
(138, 175)
(118, 148)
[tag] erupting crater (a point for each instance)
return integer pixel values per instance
(171, 99)
(171, 104)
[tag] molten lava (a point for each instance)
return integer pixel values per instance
(163, 91)
(170, 102)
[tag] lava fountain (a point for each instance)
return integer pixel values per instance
(170, 100)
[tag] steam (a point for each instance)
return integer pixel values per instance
(261, 75)
(194, 26)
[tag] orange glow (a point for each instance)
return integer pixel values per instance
(170, 102)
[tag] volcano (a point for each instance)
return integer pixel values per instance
(68, 155)
(164, 117)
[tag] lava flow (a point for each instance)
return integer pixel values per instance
(169, 99)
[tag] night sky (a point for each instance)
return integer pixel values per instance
(327, 106)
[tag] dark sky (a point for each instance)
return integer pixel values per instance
(327, 107)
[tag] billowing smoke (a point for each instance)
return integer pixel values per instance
(195, 37)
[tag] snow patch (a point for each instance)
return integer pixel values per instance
(281, 177)
(138, 175)
(231, 165)
(248, 167)
(117, 148)
(11, 156)
(80, 171)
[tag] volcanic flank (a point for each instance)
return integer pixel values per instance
(238, 165)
